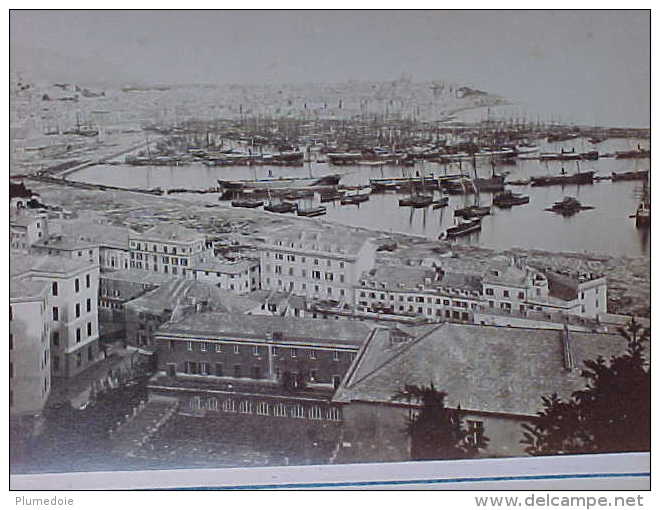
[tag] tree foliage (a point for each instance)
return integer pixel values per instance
(437, 432)
(612, 413)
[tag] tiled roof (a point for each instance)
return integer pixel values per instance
(482, 368)
(207, 262)
(100, 233)
(210, 325)
(135, 275)
(325, 238)
(398, 276)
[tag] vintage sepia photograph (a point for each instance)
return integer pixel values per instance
(275, 238)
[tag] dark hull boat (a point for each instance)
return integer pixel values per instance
(416, 201)
(355, 199)
(311, 211)
(281, 207)
(568, 207)
(282, 182)
(441, 202)
(640, 175)
(509, 199)
(494, 183)
(462, 229)
(551, 180)
(331, 196)
(250, 203)
(472, 211)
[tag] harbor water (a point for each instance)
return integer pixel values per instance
(606, 229)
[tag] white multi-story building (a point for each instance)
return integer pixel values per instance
(240, 276)
(29, 352)
(166, 248)
(73, 312)
(27, 228)
(319, 264)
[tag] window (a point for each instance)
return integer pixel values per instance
(54, 288)
(236, 349)
(279, 410)
(89, 305)
(336, 381)
(218, 347)
(315, 413)
(475, 432)
(77, 310)
(189, 345)
(202, 347)
(89, 329)
(489, 292)
(229, 406)
(79, 358)
(56, 313)
(213, 404)
(237, 371)
(262, 408)
(505, 293)
(77, 285)
(56, 338)
(218, 369)
(294, 352)
(245, 407)
(78, 336)
(255, 350)
(312, 375)
(312, 354)
(204, 368)
(521, 295)
(335, 355)
(88, 281)
(333, 414)
(297, 411)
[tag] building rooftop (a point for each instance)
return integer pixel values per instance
(164, 232)
(178, 291)
(21, 263)
(460, 281)
(321, 239)
(22, 220)
(482, 368)
(260, 327)
(397, 277)
(138, 276)
(207, 262)
(101, 233)
(25, 287)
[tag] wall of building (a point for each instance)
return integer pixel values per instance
(29, 356)
(253, 360)
(376, 433)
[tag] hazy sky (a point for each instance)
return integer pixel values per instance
(597, 62)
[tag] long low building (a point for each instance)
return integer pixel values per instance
(495, 376)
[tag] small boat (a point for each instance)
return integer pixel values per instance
(520, 182)
(591, 155)
(596, 139)
(568, 206)
(509, 199)
(634, 154)
(281, 207)
(311, 211)
(472, 211)
(643, 215)
(578, 178)
(441, 202)
(331, 196)
(355, 199)
(462, 229)
(453, 187)
(416, 201)
(639, 175)
(247, 202)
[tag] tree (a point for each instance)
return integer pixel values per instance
(613, 412)
(437, 432)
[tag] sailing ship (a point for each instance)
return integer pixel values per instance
(564, 178)
(643, 212)
(637, 175)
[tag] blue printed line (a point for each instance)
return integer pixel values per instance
(320, 485)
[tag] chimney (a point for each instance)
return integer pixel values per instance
(567, 349)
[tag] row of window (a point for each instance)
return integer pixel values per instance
(505, 293)
(315, 275)
(330, 291)
(76, 285)
(267, 408)
(257, 350)
(56, 310)
(154, 247)
(175, 270)
(303, 260)
(419, 299)
(55, 336)
(164, 259)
